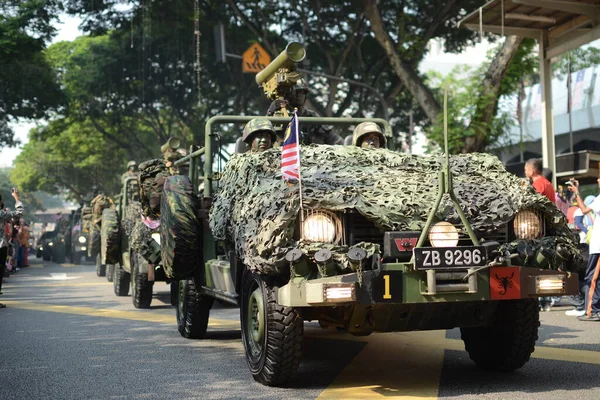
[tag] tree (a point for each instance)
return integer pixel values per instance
(467, 127)
(28, 85)
(30, 200)
(72, 157)
(485, 101)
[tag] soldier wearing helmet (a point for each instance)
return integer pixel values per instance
(131, 167)
(259, 134)
(295, 98)
(368, 135)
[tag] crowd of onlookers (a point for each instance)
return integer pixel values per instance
(583, 216)
(12, 233)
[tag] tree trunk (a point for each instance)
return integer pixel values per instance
(407, 75)
(487, 101)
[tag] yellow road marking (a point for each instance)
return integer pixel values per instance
(64, 284)
(36, 266)
(403, 365)
(108, 313)
(69, 265)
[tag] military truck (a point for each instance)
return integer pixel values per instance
(130, 249)
(368, 240)
(76, 241)
(383, 242)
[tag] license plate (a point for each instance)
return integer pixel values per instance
(450, 257)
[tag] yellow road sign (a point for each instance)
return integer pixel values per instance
(255, 59)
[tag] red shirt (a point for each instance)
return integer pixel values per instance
(543, 186)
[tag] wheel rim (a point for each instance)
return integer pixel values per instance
(255, 326)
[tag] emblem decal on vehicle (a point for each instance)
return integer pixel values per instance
(505, 283)
(406, 244)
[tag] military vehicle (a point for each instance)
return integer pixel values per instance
(52, 244)
(369, 240)
(130, 248)
(76, 241)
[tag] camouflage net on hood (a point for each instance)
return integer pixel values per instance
(257, 211)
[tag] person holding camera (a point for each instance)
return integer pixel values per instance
(592, 272)
(5, 217)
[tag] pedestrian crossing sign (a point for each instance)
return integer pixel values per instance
(255, 59)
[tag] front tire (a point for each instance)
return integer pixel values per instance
(272, 334)
(110, 272)
(121, 281)
(141, 288)
(507, 342)
(193, 310)
(100, 269)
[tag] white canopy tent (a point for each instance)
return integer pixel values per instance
(557, 25)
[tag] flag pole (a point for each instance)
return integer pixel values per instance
(297, 129)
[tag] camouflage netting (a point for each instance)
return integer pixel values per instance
(138, 234)
(98, 205)
(179, 229)
(109, 237)
(256, 211)
(151, 180)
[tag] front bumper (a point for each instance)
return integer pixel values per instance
(391, 285)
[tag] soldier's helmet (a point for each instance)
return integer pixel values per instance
(258, 125)
(364, 128)
(301, 84)
(131, 164)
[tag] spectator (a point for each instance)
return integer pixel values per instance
(533, 171)
(5, 217)
(23, 238)
(591, 311)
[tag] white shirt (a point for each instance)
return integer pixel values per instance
(595, 239)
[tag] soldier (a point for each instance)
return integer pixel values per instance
(259, 135)
(295, 98)
(130, 173)
(368, 135)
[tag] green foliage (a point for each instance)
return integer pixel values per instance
(581, 58)
(73, 156)
(465, 95)
(28, 85)
(30, 200)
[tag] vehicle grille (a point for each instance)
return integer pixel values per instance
(360, 229)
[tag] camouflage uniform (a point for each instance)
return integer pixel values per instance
(295, 98)
(364, 129)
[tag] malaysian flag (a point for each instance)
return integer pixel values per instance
(290, 153)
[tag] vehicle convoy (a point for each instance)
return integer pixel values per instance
(370, 241)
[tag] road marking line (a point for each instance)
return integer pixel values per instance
(108, 313)
(62, 284)
(402, 365)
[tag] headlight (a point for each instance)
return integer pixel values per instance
(443, 234)
(321, 226)
(82, 239)
(156, 237)
(528, 225)
(50, 244)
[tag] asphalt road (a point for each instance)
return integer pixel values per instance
(65, 335)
